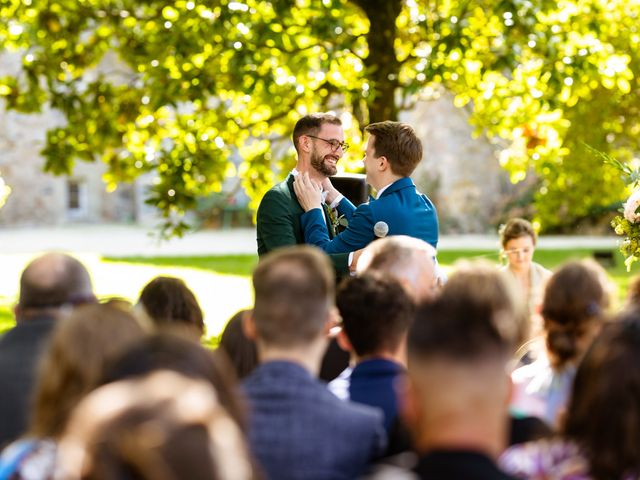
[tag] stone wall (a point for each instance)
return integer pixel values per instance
(38, 198)
(461, 174)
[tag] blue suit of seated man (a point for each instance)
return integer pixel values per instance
(393, 152)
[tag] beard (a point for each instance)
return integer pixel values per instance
(322, 165)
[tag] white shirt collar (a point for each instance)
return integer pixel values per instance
(383, 189)
(295, 173)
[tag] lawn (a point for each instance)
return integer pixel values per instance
(222, 283)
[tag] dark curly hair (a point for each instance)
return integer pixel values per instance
(376, 312)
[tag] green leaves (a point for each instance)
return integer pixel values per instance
(187, 90)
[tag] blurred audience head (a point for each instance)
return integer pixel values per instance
(376, 314)
(163, 426)
(603, 416)
(73, 364)
(181, 354)
(51, 282)
(633, 292)
(481, 284)
(459, 347)
(169, 302)
(409, 260)
(573, 309)
(294, 297)
(240, 349)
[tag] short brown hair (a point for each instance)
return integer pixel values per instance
(294, 291)
(311, 125)
(516, 228)
(399, 144)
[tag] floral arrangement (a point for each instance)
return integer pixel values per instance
(628, 223)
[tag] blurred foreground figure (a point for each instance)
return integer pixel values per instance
(161, 427)
(234, 343)
(71, 367)
(455, 403)
(182, 354)
(574, 309)
(297, 428)
(600, 435)
(50, 286)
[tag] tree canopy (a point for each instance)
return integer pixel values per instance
(190, 84)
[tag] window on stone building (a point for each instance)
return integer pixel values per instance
(76, 198)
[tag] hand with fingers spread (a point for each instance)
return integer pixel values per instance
(309, 193)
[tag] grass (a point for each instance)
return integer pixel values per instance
(6, 316)
(241, 265)
(551, 259)
(222, 283)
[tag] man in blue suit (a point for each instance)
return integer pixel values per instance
(392, 154)
(298, 430)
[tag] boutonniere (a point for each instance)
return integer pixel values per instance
(339, 222)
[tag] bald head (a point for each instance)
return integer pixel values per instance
(52, 280)
(407, 259)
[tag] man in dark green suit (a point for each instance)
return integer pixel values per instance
(319, 142)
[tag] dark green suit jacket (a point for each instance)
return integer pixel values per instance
(279, 223)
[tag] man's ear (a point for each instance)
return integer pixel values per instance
(17, 311)
(332, 323)
(383, 164)
(343, 341)
(249, 326)
(304, 143)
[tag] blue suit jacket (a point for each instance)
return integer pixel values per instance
(401, 207)
(373, 382)
(298, 430)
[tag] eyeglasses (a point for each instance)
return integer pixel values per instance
(518, 251)
(335, 144)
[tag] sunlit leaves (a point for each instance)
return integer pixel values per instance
(189, 88)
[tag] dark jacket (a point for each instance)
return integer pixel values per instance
(400, 206)
(20, 351)
(278, 223)
(298, 430)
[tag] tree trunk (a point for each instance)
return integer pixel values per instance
(381, 64)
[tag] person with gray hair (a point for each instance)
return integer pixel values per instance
(50, 286)
(409, 260)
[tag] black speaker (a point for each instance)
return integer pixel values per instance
(353, 186)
